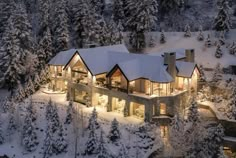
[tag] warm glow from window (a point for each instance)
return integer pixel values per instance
(162, 109)
(164, 130)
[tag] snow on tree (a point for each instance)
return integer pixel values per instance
(69, 113)
(60, 144)
(29, 137)
(29, 89)
(118, 11)
(176, 134)
(163, 37)
(114, 34)
(144, 139)
(187, 31)
(222, 21)
(44, 15)
(217, 76)
(48, 142)
(208, 42)
(193, 115)
(93, 120)
(92, 142)
(98, 5)
(2, 139)
(54, 118)
(120, 29)
(114, 133)
(202, 77)
(32, 111)
(49, 108)
(20, 93)
(123, 153)
(37, 81)
(60, 29)
(231, 106)
(232, 48)
(221, 153)
(222, 39)
(142, 18)
(170, 5)
(44, 75)
(200, 36)
(102, 150)
(151, 42)
(218, 53)
(45, 49)
(12, 122)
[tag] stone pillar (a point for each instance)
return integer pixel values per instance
(109, 106)
(190, 55)
(170, 61)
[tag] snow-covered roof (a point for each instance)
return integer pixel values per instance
(185, 68)
(62, 57)
(180, 53)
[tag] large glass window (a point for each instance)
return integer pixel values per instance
(162, 108)
(137, 110)
(118, 105)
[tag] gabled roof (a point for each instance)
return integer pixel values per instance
(185, 68)
(62, 57)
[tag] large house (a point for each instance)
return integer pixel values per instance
(147, 86)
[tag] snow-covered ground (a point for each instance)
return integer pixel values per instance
(128, 125)
(203, 55)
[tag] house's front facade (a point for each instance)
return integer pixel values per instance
(149, 87)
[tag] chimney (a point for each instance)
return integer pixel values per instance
(190, 54)
(170, 61)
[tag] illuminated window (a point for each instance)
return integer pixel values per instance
(162, 109)
(164, 131)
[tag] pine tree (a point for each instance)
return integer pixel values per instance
(69, 113)
(60, 144)
(98, 5)
(103, 152)
(12, 124)
(232, 49)
(163, 38)
(48, 142)
(92, 142)
(37, 81)
(118, 11)
(30, 89)
(222, 39)
(20, 93)
(218, 53)
(142, 18)
(123, 153)
(222, 20)
(200, 35)
(231, 106)
(32, 111)
(54, 119)
(221, 153)
(208, 41)
(151, 42)
(2, 139)
(29, 137)
(202, 74)
(193, 115)
(49, 109)
(93, 120)
(114, 133)
(187, 31)
(217, 76)
(61, 32)
(170, 5)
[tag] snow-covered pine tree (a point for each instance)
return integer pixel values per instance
(202, 77)
(93, 120)
(29, 137)
(48, 142)
(102, 150)
(37, 81)
(69, 113)
(44, 75)
(217, 75)
(118, 11)
(208, 42)
(232, 48)
(92, 142)
(193, 115)
(218, 53)
(187, 31)
(49, 109)
(123, 153)
(98, 5)
(222, 21)
(54, 118)
(221, 153)
(60, 144)
(12, 123)
(2, 138)
(142, 18)
(151, 42)
(231, 106)
(114, 133)
(45, 49)
(30, 89)
(31, 110)
(176, 134)
(120, 29)
(200, 36)
(20, 93)
(222, 39)
(163, 37)
(43, 16)
(60, 29)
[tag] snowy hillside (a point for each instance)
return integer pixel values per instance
(203, 54)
